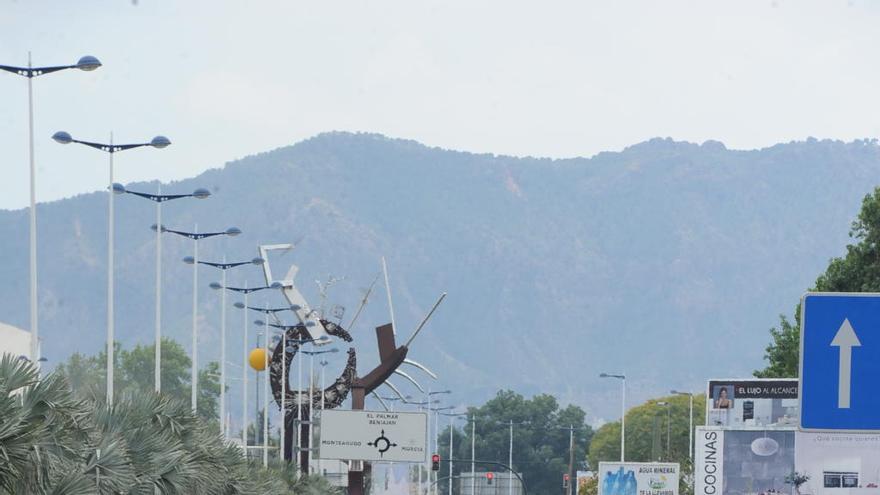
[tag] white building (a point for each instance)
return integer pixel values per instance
(14, 341)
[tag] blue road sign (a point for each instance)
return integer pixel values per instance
(840, 362)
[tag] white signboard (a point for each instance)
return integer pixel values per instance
(838, 463)
(737, 461)
(374, 436)
(638, 478)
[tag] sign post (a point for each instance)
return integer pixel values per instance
(840, 362)
(374, 436)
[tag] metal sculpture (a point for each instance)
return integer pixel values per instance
(313, 328)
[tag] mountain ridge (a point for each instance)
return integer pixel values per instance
(665, 252)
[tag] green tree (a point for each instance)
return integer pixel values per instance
(857, 271)
(540, 438)
(590, 487)
(87, 375)
(782, 353)
(646, 433)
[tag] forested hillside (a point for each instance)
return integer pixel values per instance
(557, 270)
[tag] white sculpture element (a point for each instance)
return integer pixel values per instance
(306, 316)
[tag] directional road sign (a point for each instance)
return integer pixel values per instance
(840, 362)
(374, 436)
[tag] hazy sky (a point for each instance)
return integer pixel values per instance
(224, 79)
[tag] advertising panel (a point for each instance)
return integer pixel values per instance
(838, 463)
(752, 402)
(638, 478)
(373, 436)
(743, 461)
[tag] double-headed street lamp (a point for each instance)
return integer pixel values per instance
(285, 343)
(222, 267)
(473, 420)
(451, 417)
(196, 236)
(274, 313)
(159, 198)
(87, 63)
(691, 424)
(433, 436)
(311, 355)
(245, 291)
(111, 149)
(622, 379)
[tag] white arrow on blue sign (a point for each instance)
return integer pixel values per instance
(840, 362)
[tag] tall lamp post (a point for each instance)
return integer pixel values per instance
(434, 437)
(311, 355)
(691, 424)
(667, 405)
(245, 291)
(622, 379)
(159, 198)
(451, 440)
(223, 266)
(323, 364)
(111, 149)
(260, 323)
(87, 63)
(196, 236)
(473, 422)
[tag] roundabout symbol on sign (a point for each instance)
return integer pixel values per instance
(386, 444)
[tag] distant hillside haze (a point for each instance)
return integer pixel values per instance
(667, 261)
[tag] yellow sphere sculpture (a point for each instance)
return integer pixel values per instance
(257, 358)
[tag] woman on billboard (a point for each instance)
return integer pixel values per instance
(723, 401)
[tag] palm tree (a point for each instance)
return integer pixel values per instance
(52, 442)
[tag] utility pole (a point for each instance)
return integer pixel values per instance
(451, 450)
(510, 461)
(473, 455)
(570, 457)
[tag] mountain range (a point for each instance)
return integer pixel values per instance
(667, 261)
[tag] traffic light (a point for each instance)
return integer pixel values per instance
(565, 480)
(435, 462)
(489, 478)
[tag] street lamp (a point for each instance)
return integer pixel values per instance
(452, 416)
(196, 236)
(691, 424)
(273, 312)
(311, 355)
(111, 149)
(261, 323)
(245, 291)
(25, 358)
(159, 198)
(473, 421)
(667, 405)
(622, 379)
(87, 63)
(433, 436)
(223, 267)
(285, 343)
(323, 364)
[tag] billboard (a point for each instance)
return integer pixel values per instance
(754, 461)
(373, 436)
(638, 478)
(835, 461)
(752, 402)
